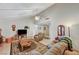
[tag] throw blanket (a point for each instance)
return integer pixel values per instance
(67, 41)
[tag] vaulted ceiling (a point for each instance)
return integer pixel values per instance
(9, 10)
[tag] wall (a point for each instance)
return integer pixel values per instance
(20, 22)
(66, 14)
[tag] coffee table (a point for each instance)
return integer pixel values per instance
(25, 43)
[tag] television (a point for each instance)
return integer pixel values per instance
(21, 31)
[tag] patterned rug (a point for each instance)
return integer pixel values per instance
(36, 47)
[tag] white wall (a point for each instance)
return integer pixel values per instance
(20, 22)
(64, 14)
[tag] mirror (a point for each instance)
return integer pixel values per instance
(61, 30)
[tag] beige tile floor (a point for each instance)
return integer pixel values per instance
(5, 49)
(46, 41)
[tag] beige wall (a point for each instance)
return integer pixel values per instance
(63, 14)
(20, 22)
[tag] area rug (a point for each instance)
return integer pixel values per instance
(35, 49)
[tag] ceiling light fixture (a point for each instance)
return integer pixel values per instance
(37, 17)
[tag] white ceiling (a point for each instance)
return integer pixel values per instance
(8, 10)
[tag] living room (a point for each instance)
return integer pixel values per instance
(39, 29)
